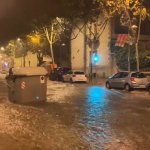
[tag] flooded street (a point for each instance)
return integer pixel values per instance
(77, 117)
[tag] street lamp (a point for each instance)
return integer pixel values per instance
(60, 50)
(134, 26)
(18, 39)
(2, 48)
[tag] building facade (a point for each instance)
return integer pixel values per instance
(30, 60)
(80, 52)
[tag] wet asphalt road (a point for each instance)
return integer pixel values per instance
(77, 117)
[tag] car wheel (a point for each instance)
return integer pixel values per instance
(108, 85)
(127, 87)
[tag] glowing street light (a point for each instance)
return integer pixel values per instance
(134, 27)
(2, 48)
(18, 39)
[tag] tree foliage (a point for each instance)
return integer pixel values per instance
(10, 49)
(36, 43)
(121, 56)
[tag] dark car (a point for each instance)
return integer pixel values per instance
(61, 71)
(57, 74)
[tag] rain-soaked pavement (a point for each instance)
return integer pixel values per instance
(77, 117)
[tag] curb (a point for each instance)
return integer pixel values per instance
(102, 84)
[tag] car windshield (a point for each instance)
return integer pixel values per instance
(138, 75)
(78, 72)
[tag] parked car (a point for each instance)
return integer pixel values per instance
(57, 73)
(75, 76)
(127, 80)
(62, 71)
(148, 87)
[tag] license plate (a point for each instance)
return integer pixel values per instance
(142, 85)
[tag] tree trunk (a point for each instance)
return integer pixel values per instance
(85, 50)
(50, 40)
(137, 40)
(129, 51)
(40, 60)
(137, 56)
(24, 61)
(51, 45)
(52, 55)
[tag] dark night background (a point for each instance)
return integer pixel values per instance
(16, 16)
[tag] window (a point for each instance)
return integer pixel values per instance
(79, 72)
(118, 75)
(138, 75)
(124, 74)
(69, 72)
(145, 29)
(119, 29)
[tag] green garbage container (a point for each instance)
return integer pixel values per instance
(28, 84)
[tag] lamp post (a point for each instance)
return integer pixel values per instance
(2, 48)
(60, 51)
(23, 55)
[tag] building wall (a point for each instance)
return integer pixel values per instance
(77, 50)
(18, 62)
(106, 65)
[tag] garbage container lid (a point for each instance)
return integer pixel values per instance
(29, 71)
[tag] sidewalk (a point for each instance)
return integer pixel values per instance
(98, 81)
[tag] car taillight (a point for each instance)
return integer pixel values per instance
(74, 75)
(85, 75)
(132, 79)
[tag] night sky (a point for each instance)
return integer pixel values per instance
(16, 16)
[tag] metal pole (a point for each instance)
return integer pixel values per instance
(24, 60)
(91, 65)
(96, 73)
(129, 51)
(85, 50)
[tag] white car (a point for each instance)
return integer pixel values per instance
(74, 76)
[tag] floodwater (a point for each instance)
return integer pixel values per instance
(77, 117)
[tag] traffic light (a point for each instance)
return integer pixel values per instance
(96, 58)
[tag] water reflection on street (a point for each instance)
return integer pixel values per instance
(77, 117)
(98, 129)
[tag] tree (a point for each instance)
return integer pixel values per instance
(122, 57)
(10, 50)
(51, 29)
(129, 11)
(37, 43)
